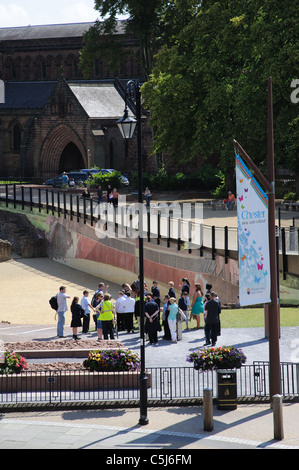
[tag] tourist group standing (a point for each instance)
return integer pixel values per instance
(111, 318)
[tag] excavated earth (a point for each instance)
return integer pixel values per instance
(59, 346)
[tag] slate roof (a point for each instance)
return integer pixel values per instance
(100, 100)
(27, 95)
(49, 31)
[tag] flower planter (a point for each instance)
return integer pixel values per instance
(69, 381)
(225, 357)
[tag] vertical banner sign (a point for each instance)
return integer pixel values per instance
(253, 238)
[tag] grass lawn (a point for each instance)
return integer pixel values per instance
(250, 318)
(253, 317)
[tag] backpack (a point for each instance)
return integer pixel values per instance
(94, 302)
(53, 302)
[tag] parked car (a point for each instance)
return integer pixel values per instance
(79, 178)
(104, 171)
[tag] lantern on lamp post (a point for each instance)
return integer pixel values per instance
(127, 125)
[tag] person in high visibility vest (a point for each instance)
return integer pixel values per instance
(107, 316)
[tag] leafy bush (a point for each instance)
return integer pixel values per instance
(217, 358)
(202, 179)
(290, 196)
(112, 360)
(114, 179)
(220, 192)
(12, 363)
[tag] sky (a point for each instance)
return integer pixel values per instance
(37, 12)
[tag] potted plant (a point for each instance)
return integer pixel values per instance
(112, 360)
(224, 357)
(12, 363)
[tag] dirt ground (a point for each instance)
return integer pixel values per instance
(60, 345)
(26, 285)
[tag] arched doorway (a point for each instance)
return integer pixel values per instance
(71, 158)
(62, 150)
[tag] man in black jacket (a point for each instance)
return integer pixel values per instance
(212, 312)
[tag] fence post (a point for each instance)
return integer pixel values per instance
(53, 202)
(23, 202)
(31, 199)
(159, 227)
(58, 203)
(208, 409)
(14, 196)
(6, 195)
(148, 226)
(179, 233)
(284, 256)
(91, 212)
(226, 252)
(39, 200)
(84, 210)
(213, 242)
(277, 417)
(71, 206)
(64, 204)
(47, 201)
(168, 231)
(78, 209)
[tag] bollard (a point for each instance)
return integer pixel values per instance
(277, 417)
(208, 409)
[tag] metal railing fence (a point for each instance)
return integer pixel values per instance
(176, 232)
(165, 384)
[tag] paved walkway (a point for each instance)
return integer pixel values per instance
(25, 315)
(172, 428)
(26, 287)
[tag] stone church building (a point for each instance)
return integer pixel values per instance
(52, 120)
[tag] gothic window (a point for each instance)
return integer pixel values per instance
(72, 66)
(59, 63)
(16, 137)
(48, 64)
(10, 70)
(40, 68)
(27, 63)
(18, 67)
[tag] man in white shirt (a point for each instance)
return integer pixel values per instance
(120, 317)
(62, 308)
(87, 309)
(127, 307)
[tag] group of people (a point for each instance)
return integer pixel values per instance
(229, 201)
(101, 306)
(112, 195)
(168, 314)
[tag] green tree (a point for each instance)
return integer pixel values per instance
(209, 84)
(143, 21)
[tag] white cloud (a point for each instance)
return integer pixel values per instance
(35, 12)
(13, 15)
(78, 12)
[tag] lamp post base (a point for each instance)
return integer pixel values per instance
(143, 420)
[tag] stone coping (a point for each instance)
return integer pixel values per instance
(59, 353)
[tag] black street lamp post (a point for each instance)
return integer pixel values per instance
(127, 125)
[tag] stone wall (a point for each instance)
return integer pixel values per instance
(22, 236)
(5, 250)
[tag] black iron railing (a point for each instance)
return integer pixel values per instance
(165, 384)
(157, 225)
